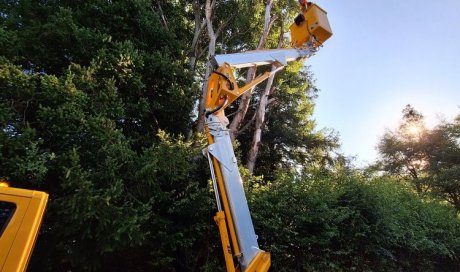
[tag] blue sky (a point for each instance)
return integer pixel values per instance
(385, 54)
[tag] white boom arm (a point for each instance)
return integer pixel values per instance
(263, 57)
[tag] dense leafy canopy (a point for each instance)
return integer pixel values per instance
(97, 105)
(351, 224)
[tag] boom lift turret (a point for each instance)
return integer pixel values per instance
(21, 211)
(239, 241)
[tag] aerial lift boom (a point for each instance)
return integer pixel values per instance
(239, 241)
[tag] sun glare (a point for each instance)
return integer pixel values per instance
(414, 130)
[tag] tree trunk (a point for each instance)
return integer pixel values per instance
(260, 117)
(246, 98)
(162, 15)
(199, 26)
(211, 52)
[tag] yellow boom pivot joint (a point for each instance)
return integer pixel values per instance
(223, 88)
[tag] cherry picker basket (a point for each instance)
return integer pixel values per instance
(311, 28)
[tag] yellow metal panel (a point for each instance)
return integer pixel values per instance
(222, 224)
(315, 25)
(261, 263)
(221, 90)
(9, 234)
(16, 192)
(20, 234)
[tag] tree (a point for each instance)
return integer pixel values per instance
(128, 40)
(251, 73)
(427, 158)
(405, 151)
(290, 139)
(86, 89)
(260, 117)
(444, 163)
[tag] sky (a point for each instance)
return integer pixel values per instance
(385, 54)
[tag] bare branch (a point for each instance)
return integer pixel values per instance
(271, 101)
(260, 117)
(247, 125)
(209, 10)
(246, 98)
(162, 15)
(199, 27)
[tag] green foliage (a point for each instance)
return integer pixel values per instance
(444, 167)
(112, 203)
(323, 224)
(177, 188)
(428, 158)
(94, 98)
(125, 42)
(405, 150)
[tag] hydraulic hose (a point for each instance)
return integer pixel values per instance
(217, 108)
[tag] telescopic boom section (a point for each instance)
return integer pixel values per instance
(239, 241)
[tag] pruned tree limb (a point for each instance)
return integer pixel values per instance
(200, 24)
(209, 10)
(260, 117)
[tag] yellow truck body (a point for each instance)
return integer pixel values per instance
(21, 213)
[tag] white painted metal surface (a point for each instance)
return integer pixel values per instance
(263, 57)
(222, 150)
